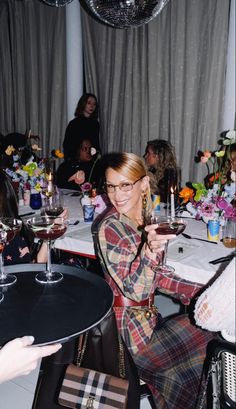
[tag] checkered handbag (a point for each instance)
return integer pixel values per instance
(88, 389)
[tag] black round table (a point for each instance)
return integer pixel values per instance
(52, 312)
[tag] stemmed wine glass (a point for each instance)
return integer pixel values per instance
(48, 228)
(9, 227)
(54, 204)
(167, 225)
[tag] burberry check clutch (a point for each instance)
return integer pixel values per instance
(87, 389)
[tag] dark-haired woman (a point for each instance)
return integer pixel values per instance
(163, 172)
(19, 249)
(85, 124)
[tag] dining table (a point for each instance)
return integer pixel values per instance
(190, 257)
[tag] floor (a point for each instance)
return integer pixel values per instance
(19, 393)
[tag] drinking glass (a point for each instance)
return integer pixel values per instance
(35, 200)
(167, 225)
(54, 204)
(48, 228)
(229, 233)
(9, 227)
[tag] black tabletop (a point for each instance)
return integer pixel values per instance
(52, 312)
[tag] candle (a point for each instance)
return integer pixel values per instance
(172, 202)
(50, 185)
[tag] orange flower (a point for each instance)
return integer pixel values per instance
(214, 177)
(207, 154)
(186, 194)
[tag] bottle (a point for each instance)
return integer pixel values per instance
(86, 200)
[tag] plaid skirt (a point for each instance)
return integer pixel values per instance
(172, 363)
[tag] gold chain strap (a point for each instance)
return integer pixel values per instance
(82, 346)
(121, 357)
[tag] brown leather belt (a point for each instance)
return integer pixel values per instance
(121, 301)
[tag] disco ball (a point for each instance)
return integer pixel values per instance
(57, 3)
(125, 13)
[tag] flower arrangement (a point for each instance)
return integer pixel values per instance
(213, 198)
(25, 167)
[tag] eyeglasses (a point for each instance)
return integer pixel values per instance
(124, 186)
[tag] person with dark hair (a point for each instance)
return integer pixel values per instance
(20, 249)
(162, 165)
(83, 168)
(85, 124)
(169, 354)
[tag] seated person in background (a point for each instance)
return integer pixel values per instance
(85, 123)
(18, 357)
(169, 354)
(18, 250)
(22, 248)
(215, 308)
(82, 168)
(163, 172)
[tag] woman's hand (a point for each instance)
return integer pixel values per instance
(156, 242)
(19, 357)
(78, 177)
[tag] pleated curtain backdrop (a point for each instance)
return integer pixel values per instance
(33, 70)
(164, 80)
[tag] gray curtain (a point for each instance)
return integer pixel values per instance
(162, 80)
(33, 70)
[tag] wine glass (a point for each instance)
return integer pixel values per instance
(48, 228)
(9, 227)
(229, 233)
(54, 204)
(167, 225)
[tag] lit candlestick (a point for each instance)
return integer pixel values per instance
(50, 185)
(172, 202)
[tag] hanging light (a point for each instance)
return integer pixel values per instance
(57, 3)
(125, 13)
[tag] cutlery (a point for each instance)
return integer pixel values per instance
(197, 238)
(26, 214)
(222, 259)
(74, 223)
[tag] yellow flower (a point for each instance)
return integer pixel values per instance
(186, 194)
(10, 149)
(220, 154)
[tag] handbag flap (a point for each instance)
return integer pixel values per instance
(86, 388)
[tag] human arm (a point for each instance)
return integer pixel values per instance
(215, 308)
(131, 262)
(19, 357)
(78, 177)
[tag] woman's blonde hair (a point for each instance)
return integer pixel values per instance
(131, 166)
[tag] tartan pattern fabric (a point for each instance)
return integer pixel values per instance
(129, 271)
(85, 388)
(172, 363)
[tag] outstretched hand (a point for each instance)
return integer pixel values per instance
(19, 357)
(78, 177)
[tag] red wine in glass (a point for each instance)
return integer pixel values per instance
(54, 211)
(167, 225)
(171, 228)
(9, 227)
(48, 228)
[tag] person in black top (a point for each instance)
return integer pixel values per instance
(163, 171)
(83, 168)
(85, 124)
